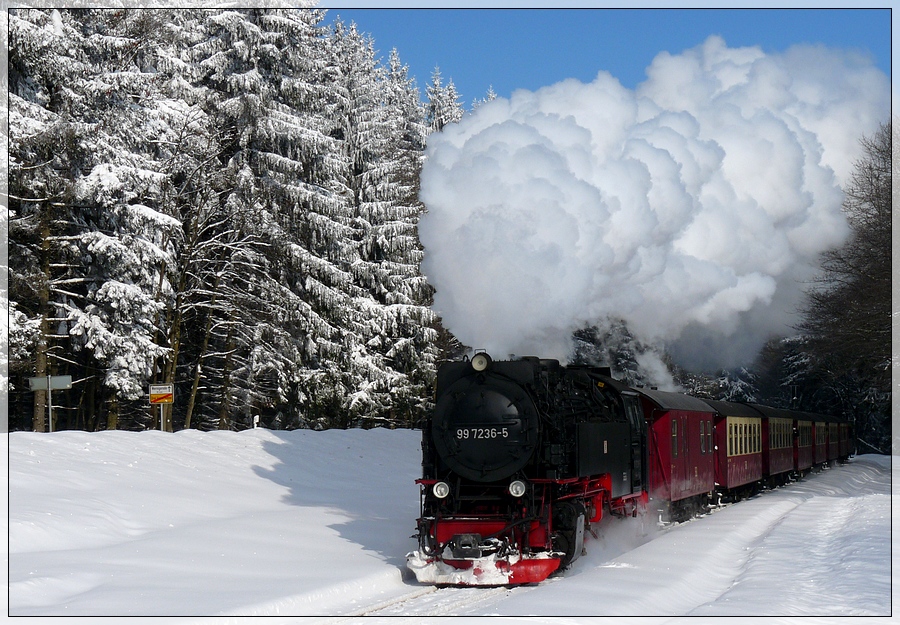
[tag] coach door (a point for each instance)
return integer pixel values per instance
(638, 442)
(679, 453)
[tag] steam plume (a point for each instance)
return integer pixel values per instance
(694, 207)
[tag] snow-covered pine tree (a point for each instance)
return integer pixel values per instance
(207, 225)
(728, 384)
(41, 178)
(416, 352)
(610, 343)
(217, 263)
(103, 242)
(376, 114)
(489, 97)
(443, 106)
(261, 71)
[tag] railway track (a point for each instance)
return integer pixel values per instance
(428, 601)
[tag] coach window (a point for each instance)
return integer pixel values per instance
(702, 437)
(709, 436)
(674, 438)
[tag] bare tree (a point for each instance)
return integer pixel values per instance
(848, 310)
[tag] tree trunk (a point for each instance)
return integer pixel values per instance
(112, 417)
(197, 372)
(195, 385)
(224, 422)
(41, 361)
(87, 400)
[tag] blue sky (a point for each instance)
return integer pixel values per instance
(510, 49)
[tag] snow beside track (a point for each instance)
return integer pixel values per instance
(302, 523)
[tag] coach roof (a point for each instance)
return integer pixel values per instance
(732, 408)
(674, 401)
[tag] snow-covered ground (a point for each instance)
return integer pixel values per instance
(302, 523)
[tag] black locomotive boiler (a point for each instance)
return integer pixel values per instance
(519, 459)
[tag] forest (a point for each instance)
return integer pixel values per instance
(227, 201)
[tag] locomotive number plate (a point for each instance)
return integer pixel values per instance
(481, 433)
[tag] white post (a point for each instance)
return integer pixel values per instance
(49, 404)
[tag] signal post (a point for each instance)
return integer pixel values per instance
(162, 394)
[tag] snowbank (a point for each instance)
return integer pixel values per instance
(302, 523)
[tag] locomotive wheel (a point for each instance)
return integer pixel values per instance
(568, 521)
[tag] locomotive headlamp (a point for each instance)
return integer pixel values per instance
(441, 490)
(481, 361)
(517, 488)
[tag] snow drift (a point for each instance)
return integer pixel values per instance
(303, 523)
(694, 207)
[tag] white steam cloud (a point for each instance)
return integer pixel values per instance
(694, 208)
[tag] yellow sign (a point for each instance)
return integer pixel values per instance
(162, 393)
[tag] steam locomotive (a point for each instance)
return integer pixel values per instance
(522, 457)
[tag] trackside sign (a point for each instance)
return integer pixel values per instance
(162, 393)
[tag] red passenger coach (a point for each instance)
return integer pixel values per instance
(738, 434)
(834, 430)
(803, 443)
(820, 439)
(845, 446)
(681, 464)
(832, 438)
(777, 443)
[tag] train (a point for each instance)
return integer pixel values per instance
(522, 457)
